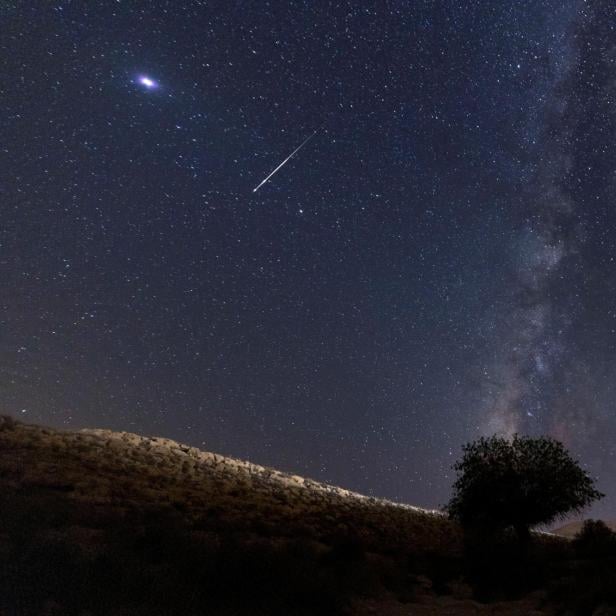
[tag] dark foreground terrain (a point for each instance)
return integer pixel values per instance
(98, 522)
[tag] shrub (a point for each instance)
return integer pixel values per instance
(595, 540)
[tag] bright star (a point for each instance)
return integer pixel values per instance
(146, 81)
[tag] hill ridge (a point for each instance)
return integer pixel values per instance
(284, 477)
(160, 445)
(104, 467)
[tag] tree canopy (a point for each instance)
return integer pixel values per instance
(518, 483)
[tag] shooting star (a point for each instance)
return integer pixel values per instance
(287, 159)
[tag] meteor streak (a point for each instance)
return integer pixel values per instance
(286, 160)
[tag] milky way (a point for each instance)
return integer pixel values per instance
(546, 379)
(532, 334)
(438, 264)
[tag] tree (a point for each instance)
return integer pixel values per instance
(517, 483)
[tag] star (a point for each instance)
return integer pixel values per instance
(148, 82)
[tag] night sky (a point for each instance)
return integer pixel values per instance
(438, 262)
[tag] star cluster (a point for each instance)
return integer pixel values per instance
(437, 263)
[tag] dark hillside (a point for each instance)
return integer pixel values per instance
(97, 522)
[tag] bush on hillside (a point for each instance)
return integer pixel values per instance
(595, 540)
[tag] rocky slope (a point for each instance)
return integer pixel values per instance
(104, 470)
